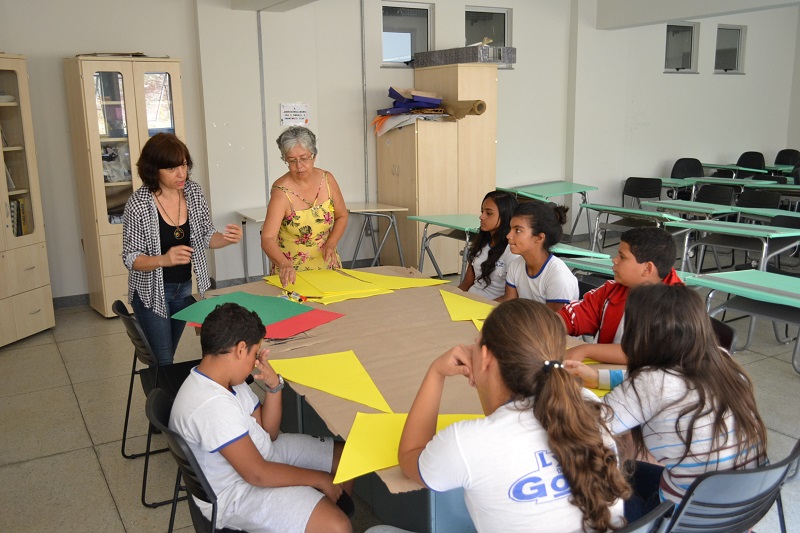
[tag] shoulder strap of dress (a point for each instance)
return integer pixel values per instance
(286, 192)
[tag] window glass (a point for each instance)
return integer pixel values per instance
(480, 24)
(406, 30)
(681, 48)
(728, 53)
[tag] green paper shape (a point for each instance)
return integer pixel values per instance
(270, 309)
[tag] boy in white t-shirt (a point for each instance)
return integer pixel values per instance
(265, 481)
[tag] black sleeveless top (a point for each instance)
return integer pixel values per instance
(179, 273)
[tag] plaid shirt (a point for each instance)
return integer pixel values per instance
(140, 237)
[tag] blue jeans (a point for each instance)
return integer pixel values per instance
(645, 484)
(163, 334)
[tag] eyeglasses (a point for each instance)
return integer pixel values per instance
(302, 161)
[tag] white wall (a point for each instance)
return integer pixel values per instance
(793, 135)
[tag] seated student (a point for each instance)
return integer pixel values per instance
(526, 465)
(645, 256)
(537, 274)
(488, 249)
(264, 480)
(684, 400)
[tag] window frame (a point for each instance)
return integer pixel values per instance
(497, 10)
(411, 5)
(695, 48)
(739, 49)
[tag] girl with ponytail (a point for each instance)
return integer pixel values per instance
(542, 458)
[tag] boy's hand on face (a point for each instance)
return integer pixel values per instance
(265, 371)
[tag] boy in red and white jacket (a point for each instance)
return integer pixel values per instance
(646, 255)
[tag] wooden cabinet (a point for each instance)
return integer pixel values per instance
(417, 169)
(441, 168)
(115, 104)
(26, 301)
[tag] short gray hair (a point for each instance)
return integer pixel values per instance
(295, 135)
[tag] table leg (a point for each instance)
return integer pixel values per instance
(684, 262)
(358, 242)
(595, 236)
(379, 247)
(244, 248)
(393, 224)
(464, 257)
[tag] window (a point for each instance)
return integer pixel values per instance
(730, 45)
(485, 22)
(406, 30)
(681, 52)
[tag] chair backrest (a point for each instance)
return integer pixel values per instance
(751, 160)
(787, 156)
(715, 194)
(687, 167)
(158, 408)
(762, 199)
(650, 522)
(638, 188)
(732, 500)
(135, 334)
(796, 174)
(785, 221)
(725, 333)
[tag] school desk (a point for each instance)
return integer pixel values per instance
(783, 169)
(459, 227)
(565, 250)
(395, 336)
(686, 207)
(770, 240)
(549, 189)
(789, 192)
(674, 184)
(737, 184)
(601, 266)
(656, 218)
(769, 295)
(762, 214)
(368, 211)
(255, 215)
(734, 168)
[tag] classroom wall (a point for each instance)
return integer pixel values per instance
(793, 134)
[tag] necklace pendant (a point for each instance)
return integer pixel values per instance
(178, 233)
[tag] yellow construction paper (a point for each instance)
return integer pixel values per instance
(393, 282)
(478, 323)
(340, 374)
(300, 286)
(600, 392)
(333, 297)
(374, 440)
(463, 308)
(327, 281)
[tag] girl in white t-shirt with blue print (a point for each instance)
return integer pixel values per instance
(542, 459)
(489, 254)
(535, 273)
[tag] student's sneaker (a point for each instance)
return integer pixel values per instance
(346, 504)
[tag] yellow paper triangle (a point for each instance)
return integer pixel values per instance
(374, 440)
(600, 392)
(394, 282)
(478, 323)
(340, 374)
(327, 281)
(463, 308)
(300, 286)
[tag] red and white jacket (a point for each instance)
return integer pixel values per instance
(600, 312)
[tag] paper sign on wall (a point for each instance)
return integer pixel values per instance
(294, 114)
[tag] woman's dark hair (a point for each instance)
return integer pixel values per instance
(667, 327)
(544, 217)
(227, 325)
(522, 334)
(506, 203)
(161, 151)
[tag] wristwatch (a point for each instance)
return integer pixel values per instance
(278, 387)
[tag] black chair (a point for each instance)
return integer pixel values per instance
(796, 174)
(734, 500)
(747, 160)
(787, 156)
(169, 378)
(760, 199)
(686, 167)
(726, 335)
(652, 521)
(637, 189)
(715, 194)
(158, 409)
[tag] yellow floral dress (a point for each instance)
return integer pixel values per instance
(304, 232)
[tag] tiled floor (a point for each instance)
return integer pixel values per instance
(62, 398)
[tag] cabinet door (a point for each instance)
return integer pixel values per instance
(8, 328)
(397, 185)
(19, 186)
(108, 90)
(26, 268)
(33, 311)
(158, 102)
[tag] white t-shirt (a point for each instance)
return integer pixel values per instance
(497, 279)
(553, 283)
(210, 417)
(511, 480)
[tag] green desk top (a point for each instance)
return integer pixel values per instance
(675, 182)
(656, 216)
(778, 187)
(562, 250)
(760, 213)
(786, 169)
(547, 189)
(735, 167)
(467, 223)
(590, 264)
(754, 284)
(688, 207)
(731, 182)
(735, 228)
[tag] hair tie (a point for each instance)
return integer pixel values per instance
(549, 365)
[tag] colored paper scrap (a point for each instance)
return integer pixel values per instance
(600, 392)
(298, 324)
(300, 286)
(463, 308)
(478, 323)
(393, 282)
(327, 281)
(340, 374)
(374, 440)
(270, 309)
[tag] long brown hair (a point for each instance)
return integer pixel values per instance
(667, 327)
(522, 334)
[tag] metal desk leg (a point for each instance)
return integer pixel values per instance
(684, 262)
(358, 243)
(393, 224)
(244, 248)
(584, 200)
(595, 236)
(464, 257)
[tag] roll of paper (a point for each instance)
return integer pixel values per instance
(463, 108)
